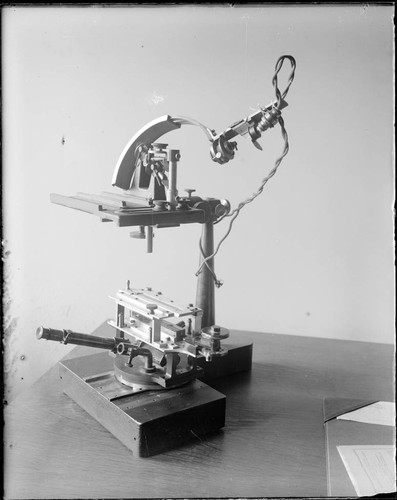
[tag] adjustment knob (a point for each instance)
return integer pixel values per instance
(151, 307)
(140, 235)
(223, 208)
(160, 205)
(189, 192)
(215, 332)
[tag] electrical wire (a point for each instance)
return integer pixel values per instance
(279, 65)
(235, 213)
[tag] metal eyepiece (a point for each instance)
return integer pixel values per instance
(40, 333)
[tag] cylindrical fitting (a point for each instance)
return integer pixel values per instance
(269, 119)
(149, 239)
(172, 191)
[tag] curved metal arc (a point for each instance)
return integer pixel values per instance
(125, 168)
(151, 132)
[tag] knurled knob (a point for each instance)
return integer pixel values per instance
(160, 205)
(151, 307)
(215, 332)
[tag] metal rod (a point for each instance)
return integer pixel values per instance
(149, 239)
(172, 191)
(205, 294)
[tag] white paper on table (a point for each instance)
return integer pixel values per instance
(372, 469)
(381, 413)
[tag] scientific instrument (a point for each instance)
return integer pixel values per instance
(148, 386)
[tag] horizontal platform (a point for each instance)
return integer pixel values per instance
(125, 213)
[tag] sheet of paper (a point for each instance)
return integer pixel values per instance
(372, 469)
(381, 413)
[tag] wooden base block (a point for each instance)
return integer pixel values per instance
(146, 422)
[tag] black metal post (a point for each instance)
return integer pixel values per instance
(205, 295)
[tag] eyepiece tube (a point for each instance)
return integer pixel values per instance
(69, 337)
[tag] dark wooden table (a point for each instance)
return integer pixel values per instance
(272, 444)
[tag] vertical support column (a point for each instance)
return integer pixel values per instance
(120, 319)
(156, 330)
(172, 192)
(172, 362)
(205, 294)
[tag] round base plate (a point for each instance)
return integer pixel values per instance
(135, 376)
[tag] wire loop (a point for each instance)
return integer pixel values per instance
(279, 65)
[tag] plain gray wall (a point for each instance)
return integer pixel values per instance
(312, 256)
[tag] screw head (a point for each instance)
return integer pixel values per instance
(151, 307)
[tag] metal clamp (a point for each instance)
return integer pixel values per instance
(66, 335)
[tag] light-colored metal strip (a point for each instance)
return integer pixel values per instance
(140, 307)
